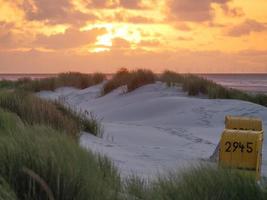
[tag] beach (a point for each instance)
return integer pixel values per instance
(155, 129)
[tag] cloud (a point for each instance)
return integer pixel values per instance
(124, 16)
(111, 4)
(245, 28)
(72, 38)
(120, 43)
(232, 12)
(192, 10)
(254, 53)
(47, 9)
(140, 20)
(182, 38)
(10, 39)
(6, 38)
(149, 43)
(131, 4)
(54, 12)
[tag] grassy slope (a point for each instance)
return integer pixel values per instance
(33, 110)
(195, 85)
(37, 161)
(204, 183)
(6, 192)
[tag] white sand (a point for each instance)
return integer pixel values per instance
(155, 128)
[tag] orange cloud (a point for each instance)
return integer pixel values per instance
(191, 10)
(72, 38)
(86, 35)
(246, 28)
(112, 4)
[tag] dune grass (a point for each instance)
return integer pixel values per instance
(33, 110)
(6, 193)
(69, 79)
(38, 162)
(87, 121)
(132, 79)
(202, 182)
(7, 84)
(195, 85)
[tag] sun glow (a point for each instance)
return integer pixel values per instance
(115, 31)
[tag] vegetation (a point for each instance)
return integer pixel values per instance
(195, 85)
(69, 79)
(38, 162)
(6, 193)
(204, 182)
(7, 84)
(139, 78)
(132, 79)
(171, 78)
(87, 121)
(209, 183)
(33, 110)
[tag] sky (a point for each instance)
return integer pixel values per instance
(187, 36)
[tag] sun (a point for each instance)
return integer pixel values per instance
(124, 31)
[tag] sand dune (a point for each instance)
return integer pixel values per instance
(155, 128)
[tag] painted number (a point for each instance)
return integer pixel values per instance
(234, 146)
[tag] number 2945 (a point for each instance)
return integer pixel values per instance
(243, 147)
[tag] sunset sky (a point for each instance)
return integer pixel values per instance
(196, 36)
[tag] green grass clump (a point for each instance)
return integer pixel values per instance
(7, 84)
(69, 79)
(209, 183)
(204, 182)
(33, 110)
(132, 79)
(38, 162)
(6, 193)
(87, 121)
(171, 78)
(196, 85)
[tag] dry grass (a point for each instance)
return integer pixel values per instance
(33, 110)
(132, 79)
(70, 79)
(195, 85)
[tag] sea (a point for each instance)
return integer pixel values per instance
(253, 83)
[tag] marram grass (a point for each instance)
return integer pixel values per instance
(36, 111)
(38, 162)
(195, 85)
(197, 183)
(131, 79)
